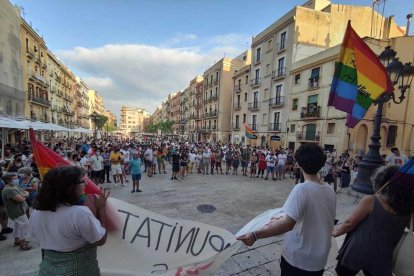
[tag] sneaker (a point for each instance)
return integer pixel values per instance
(172, 178)
(116, 185)
(108, 181)
(140, 191)
(165, 172)
(7, 230)
(124, 185)
(133, 191)
(2, 237)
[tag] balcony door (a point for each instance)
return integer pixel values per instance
(255, 99)
(312, 104)
(254, 122)
(276, 121)
(310, 133)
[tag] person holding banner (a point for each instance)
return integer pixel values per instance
(308, 221)
(66, 230)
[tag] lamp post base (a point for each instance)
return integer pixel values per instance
(366, 168)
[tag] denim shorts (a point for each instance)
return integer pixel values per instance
(136, 177)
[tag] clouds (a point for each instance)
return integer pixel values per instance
(143, 75)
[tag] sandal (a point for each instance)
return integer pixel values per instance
(17, 243)
(25, 245)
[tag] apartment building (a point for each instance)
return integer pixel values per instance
(96, 104)
(192, 105)
(175, 112)
(311, 121)
(241, 92)
(302, 32)
(12, 95)
(132, 119)
(82, 102)
(198, 111)
(217, 102)
(36, 83)
(112, 120)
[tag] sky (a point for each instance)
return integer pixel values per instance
(136, 52)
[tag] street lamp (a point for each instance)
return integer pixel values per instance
(401, 74)
(94, 116)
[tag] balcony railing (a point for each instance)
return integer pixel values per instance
(237, 88)
(275, 127)
(308, 135)
(257, 59)
(253, 106)
(237, 107)
(310, 112)
(255, 82)
(214, 97)
(214, 127)
(29, 54)
(278, 101)
(39, 100)
(216, 81)
(211, 114)
(279, 73)
(313, 83)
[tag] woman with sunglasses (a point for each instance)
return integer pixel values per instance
(67, 231)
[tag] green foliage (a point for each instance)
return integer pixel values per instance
(99, 120)
(151, 128)
(165, 126)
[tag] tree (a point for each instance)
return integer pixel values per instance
(166, 126)
(151, 128)
(100, 121)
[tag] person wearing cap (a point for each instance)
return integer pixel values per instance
(375, 226)
(14, 199)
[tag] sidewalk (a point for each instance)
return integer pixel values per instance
(237, 199)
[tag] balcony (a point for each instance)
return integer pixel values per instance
(29, 54)
(313, 83)
(237, 107)
(278, 74)
(197, 117)
(310, 112)
(44, 65)
(237, 89)
(277, 102)
(281, 46)
(307, 136)
(253, 106)
(38, 60)
(214, 127)
(216, 81)
(255, 82)
(53, 90)
(33, 116)
(206, 129)
(275, 127)
(236, 126)
(257, 59)
(209, 99)
(39, 100)
(211, 114)
(214, 97)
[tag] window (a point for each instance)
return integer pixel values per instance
(237, 121)
(276, 118)
(297, 79)
(295, 104)
(264, 119)
(238, 101)
(292, 128)
(331, 128)
(282, 44)
(392, 135)
(35, 49)
(266, 94)
(314, 78)
(258, 51)
(281, 63)
(245, 97)
(247, 79)
(217, 75)
(255, 98)
(244, 118)
(216, 92)
(267, 69)
(312, 103)
(257, 74)
(27, 45)
(278, 91)
(254, 122)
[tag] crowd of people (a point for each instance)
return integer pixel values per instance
(59, 198)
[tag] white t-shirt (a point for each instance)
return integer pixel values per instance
(96, 163)
(281, 157)
(67, 229)
(126, 154)
(313, 207)
(192, 157)
(148, 154)
(85, 162)
(396, 160)
(271, 160)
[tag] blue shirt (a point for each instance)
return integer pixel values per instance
(135, 165)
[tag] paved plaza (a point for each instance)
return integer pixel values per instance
(237, 199)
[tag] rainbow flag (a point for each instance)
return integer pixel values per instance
(359, 78)
(404, 176)
(249, 132)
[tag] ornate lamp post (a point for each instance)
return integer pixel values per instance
(94, 116)
(401, 74)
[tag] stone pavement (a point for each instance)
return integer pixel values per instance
(237, 199)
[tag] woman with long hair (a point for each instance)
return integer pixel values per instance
(375, 227)
(66, 230)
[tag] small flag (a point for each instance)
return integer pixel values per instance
(404, 177)
(359, 78)
(249, 132)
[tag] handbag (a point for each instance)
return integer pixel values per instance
(403, 264)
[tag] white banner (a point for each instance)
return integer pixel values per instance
(151, 244)
(148, 243)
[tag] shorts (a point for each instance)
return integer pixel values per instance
(136, 177)
(3, 214)
(116, 169)
(270, 169)
(279, 168)
(244, 164)
(183, 164)
(229, 162)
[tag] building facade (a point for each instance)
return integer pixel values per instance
(82, 102)
(12, 95)
(302, 32)
(132, 119)
(218, 90)
(36, 83)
